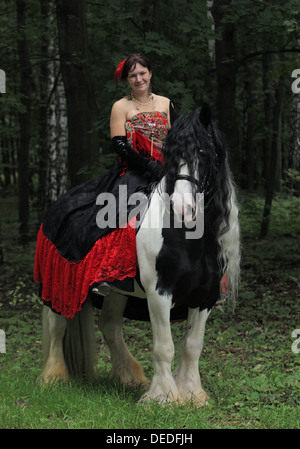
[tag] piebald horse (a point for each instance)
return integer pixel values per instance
(177, 269)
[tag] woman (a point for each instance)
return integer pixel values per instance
(141, 113)
(74, 256)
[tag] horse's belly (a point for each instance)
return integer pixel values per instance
(138, 291)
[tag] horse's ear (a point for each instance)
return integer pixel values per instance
(205, 115)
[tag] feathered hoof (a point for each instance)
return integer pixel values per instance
(128, 381)
(49, 381)
(52, 376)
(198, 400)
(161, 399)
(131, 376)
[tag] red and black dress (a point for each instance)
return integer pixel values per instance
(72, 252)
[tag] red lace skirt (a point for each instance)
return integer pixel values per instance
(66, 284)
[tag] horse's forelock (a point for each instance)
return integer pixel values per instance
(188, 142)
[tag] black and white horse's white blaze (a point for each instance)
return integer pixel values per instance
(174, 271)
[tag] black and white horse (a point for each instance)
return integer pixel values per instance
(187, 242)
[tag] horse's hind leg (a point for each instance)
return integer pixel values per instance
(187, 373)
(125, 368)
(54, 328)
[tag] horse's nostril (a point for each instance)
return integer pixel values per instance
(189, 210)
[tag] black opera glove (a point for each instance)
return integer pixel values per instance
(136, 160)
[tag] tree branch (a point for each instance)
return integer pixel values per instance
(268, 52)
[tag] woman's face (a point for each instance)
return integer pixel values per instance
(139, 79)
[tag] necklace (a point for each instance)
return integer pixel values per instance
(142, 104)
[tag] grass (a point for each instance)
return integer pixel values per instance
(247, 366)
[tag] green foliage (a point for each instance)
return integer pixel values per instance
(292, 180)
(284, 218)
(247, 366)
(264, 25)
(168, 33)
(175, 35)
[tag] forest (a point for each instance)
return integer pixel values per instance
(242, 57)
(58, 57)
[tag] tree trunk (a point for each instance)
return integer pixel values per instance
(1, 249)
(278, 176)
(53, 114)
(273, 164)
(249, 125)
(43, 112)
(5, 154)
(294, 147)
(82, 111)
(58, 135)
(24, 119)
(267, 64)
(211, 42)
(226, 79)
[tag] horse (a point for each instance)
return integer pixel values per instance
(175, 268)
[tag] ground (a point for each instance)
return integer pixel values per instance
(248, 365)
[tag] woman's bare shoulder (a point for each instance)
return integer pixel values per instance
(120, 109)
(121, 104)
(162, 103)
(163, 99)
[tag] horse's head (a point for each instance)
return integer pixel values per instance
(193, 154)
(195, 157)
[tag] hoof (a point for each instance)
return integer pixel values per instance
(52, 375)
(198, 400)
(132, 376)
(161, 399)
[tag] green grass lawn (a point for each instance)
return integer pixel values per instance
(247, 366)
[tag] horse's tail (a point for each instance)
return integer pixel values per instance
(80, 343)
(229, 241)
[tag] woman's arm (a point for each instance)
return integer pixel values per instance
(136, 160)
(118, 119)
(173, 115)
(121, 147)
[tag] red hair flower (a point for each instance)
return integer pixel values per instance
(118, 72)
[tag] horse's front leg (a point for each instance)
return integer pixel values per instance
(125, 369)
(54, 328)
(163, 387)
(187, 373)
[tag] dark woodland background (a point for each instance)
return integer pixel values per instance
(59, 57)
(243, 58)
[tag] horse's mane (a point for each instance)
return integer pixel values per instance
(195, 138)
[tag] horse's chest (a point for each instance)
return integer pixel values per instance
(187, 269)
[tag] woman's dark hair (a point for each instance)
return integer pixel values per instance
(132, 61)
